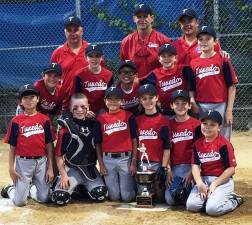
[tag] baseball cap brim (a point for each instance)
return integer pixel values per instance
(28, 92)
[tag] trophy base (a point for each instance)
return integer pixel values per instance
(144, 201)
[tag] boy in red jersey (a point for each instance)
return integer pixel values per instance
(184, 130)
(115, 140)
(30, 139)
(167, 78)
(213, 165)
(212, 81)
(93, 80)
(127, 83)
(153, 132)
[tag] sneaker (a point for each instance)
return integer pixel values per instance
(238, 198)
(4, 192)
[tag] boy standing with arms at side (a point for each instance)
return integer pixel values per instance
(30, 139)
(116, 145)
(184, 130)
(212, 81)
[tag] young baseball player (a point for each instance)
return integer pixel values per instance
(93, 80)
(210, 69)
(30, 155)
(76, 155)
(127, 83)
(168, 78)
(213, 165)
(116, 144)
(153, 132)
(184, 130)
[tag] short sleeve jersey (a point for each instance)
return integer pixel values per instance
(153, 132)
(29, 134)
(115, 131)
(144, 53)
(49, 103)
(208, 72)
(213, 157)
(182, 136)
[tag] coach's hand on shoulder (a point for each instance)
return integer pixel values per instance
(49, 175)
(14, 175)
(64, 181)
(90, 114)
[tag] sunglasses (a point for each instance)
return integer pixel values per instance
(127, 72)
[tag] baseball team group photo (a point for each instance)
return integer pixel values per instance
(154, 128)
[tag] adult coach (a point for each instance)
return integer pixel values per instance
(70, 55)
(187, 45)
(142, 46)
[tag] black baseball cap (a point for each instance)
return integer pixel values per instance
(212, 115)
(143, 8)
(113, 91)
(128, 63)
(53, 67)
(207, 30)
(147, 89)
(93, 48)
(73, 20)
(27, 89)
(167, 48)
(180, 94)
(189, 13)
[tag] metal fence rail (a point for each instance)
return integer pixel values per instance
(31, 30)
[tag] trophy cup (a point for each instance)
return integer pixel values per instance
(145, 177)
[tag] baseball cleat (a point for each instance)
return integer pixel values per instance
(238, 198)
(4, 191)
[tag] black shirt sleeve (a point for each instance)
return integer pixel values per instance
(164, 134)
(97, 133)
(13, 134)
(190, 77)
(227, 74)
(196, 157)
(48, 132)
(224, 156)
(132, 125)
(66, 138)
(77, 84)
(151, 79)
(111, 82)
(197, 133)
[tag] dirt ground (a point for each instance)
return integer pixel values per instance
(116, 213)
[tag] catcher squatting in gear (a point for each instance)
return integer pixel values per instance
(77, 147)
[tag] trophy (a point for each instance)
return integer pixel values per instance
(145, 177)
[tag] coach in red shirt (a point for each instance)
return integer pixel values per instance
(142, 46)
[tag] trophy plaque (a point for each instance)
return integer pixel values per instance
(145, 177)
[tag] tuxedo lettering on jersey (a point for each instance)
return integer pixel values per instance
(170, 84)
(110, 128)
(182, 136)
(207, 71)
(95, 86)
(209, 156)
(147, 134)
(32, 130)
(130, 103)
(47, 105)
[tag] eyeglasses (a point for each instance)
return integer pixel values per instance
(127, 72)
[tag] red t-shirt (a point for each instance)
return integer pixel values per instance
(153, 132)
(115, 131)
(211, 82)
(167, 81)
(144, 53)
(48, 103)
(93, 86)
(185, 52)
(182, 135)
(213, 157)
(29, 134)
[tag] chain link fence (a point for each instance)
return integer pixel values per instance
(32, 29)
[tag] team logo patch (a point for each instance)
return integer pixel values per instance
(182, 136)
(85, 131)
(209, 156)
(207, 71)
(47, 105)
(170, 84)
(32, 130)
(110, 128)
(147, 134)
(95, 86)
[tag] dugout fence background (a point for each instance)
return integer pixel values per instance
(32, 29)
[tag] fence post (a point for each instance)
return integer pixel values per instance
(216, 16)
(78, 8)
